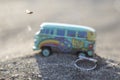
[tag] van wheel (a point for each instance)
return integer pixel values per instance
(46, 52)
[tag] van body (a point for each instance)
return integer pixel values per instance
(65, 38)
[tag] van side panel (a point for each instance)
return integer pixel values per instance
(64, 44)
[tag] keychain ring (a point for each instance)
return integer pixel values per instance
(85, 58)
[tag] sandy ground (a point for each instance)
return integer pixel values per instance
(56, 67)
(18, 28)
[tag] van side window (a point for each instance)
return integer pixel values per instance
(71, 33)
(60, 32)
(52, 31)
(82, 34)
(47, 31)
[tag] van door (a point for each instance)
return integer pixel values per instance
(71, 34)
(63, 41)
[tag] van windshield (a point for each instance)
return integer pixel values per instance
(44, 31)
(41, 30)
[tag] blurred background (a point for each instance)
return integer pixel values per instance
(18, 28)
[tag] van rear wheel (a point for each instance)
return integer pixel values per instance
(82, 54)
(46, 52)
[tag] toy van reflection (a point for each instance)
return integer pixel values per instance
(65, 38)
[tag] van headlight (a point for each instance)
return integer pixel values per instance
(35, 40)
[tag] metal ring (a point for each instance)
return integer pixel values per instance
(89, 59)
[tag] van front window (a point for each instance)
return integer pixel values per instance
(44, 31)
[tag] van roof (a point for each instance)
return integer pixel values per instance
(68, 26)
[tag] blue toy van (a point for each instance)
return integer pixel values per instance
(65, 38)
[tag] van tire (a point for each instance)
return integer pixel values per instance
(46, 51)
(82, 54)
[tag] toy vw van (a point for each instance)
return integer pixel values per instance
(65, 38)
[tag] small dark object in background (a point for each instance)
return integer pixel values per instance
(29, 12)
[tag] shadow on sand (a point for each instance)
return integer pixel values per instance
(61, 67)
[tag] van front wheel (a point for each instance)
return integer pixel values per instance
(46, 52)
